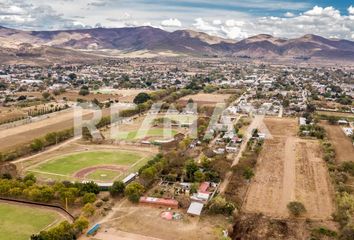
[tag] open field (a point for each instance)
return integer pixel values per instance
(143, 128)
(87, 162)
(145, 223)
(150, 133)
(290, 169)
(12, 137)
(205, 98)
(342, 144)
(349, 116)
(19, 222)
(10, 113)
(73, 96)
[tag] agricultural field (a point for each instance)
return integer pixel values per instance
(19, 222)
(343, 146)
(205, 99)
(290, 169)
(349, 116)
(87, 162)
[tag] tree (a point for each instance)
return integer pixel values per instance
(81, 224)
(84, 91)
(219, 205)
(31, 177)
(134, 191)
(37, 145)
(46, 95)
(296, 208)
(191, 168)
(89, 198)
(142, 98)
(198, 176)
(332, 120)
(117, 188)
(148, 175)
(248, 173)
(72, 76)
(88, 210)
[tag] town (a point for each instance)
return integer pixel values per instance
(202, 149)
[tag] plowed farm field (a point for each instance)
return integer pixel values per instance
(290, 169)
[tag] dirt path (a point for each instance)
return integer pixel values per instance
(290, 169)
(256, 123)
(342, 144)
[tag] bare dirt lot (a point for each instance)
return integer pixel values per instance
(205, 99)
(13, 137)
(140, 222)
(342, 144)
(73, 96)
(289, 169)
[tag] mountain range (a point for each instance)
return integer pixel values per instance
(75, 45)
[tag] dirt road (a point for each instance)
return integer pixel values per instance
(342, 144)
(257, 122)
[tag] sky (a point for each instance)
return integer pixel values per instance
(222, 18)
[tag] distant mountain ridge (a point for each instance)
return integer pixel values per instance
(17, 43)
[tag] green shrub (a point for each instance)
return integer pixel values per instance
(296, 208)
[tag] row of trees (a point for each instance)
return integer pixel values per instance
(27, 188)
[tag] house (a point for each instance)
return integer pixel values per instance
(231, 147)
(343, 122)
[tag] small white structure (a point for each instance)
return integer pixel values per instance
(195, 208)
(302, 121)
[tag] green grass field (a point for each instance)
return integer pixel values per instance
(69, 164)
(153, 132)
(20, 222)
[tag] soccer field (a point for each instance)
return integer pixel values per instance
(20, 222)
(93, 165)
(154, 132)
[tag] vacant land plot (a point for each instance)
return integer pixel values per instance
(12, 137)
(10, 114)
(205, 99)
(342, 144)
(73, 96)
(138, 222)
(290, 169)
(104, 165)
(20, 222)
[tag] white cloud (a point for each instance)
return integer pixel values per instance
(217, 22)
(172, 22)
(289, 14)
(234, 23)
(351, 10)
(327, 22)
